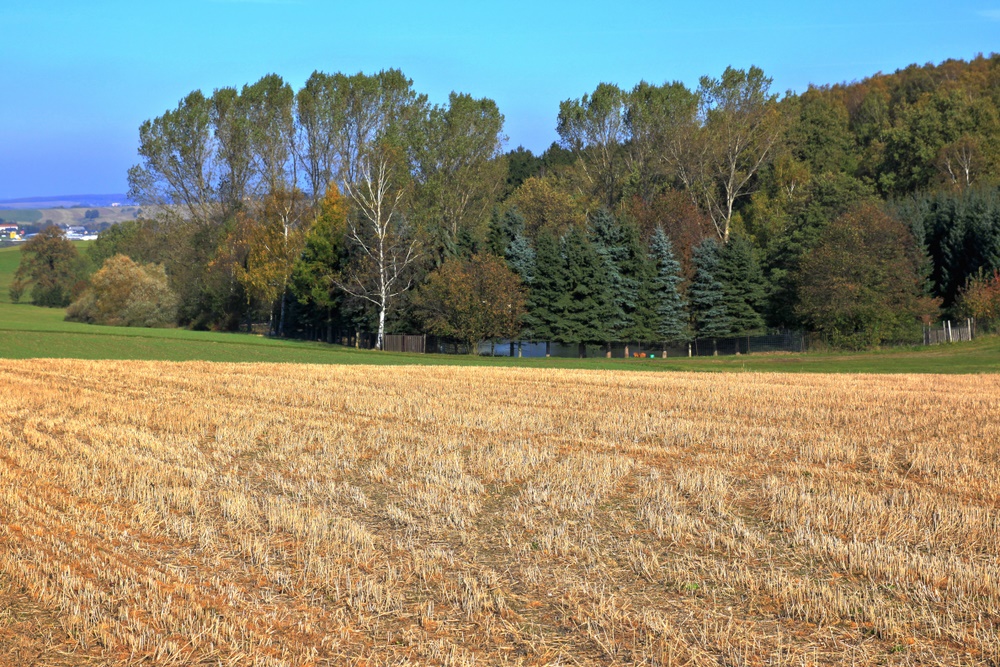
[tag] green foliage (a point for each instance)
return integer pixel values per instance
(504, 228)
(52, 268)
(593, 127)
(585, 307)
(671, 315)
(520, 258)
(123, 293)
(314, 275)
(743, 286)
(961, 231)
(630, 275)
(522, 164)
(860, 286)
(820, 134)
(707, 294)
(547, 286)
(459, 173)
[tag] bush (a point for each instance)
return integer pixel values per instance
(127, 294)
(980, 298)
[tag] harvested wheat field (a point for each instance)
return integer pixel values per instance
(157, 513)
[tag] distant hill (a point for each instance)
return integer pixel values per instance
(66, 201)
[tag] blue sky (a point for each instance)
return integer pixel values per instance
(77, 78)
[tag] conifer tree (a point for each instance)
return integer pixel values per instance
(671, 317)
(520, 258)
(743, 284)
(630, 274)
(504, 228)
(585, 306)
(636, 265)
(606, 237)
(547, 286)
(707, 293)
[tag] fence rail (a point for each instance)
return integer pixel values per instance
(777, 341)
(404, 343)
(950, 332)
(780, 341)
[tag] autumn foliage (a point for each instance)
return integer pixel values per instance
(123, 293)
(981, 298)
(473, 300)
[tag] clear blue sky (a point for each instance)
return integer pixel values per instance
(77, 78)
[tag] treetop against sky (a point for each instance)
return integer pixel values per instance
(79, 78)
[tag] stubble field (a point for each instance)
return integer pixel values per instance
(197, 513)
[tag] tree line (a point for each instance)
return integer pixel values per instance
(662, 213)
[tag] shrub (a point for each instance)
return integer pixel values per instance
(980, 298)
(123, 293)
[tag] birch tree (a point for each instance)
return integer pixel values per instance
(385, 249)
(741, 126)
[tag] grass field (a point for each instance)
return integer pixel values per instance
(158, 513)
(70, 216)
(29, 332)
(20, 215)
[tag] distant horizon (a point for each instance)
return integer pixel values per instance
(59, 197)
(86, 76)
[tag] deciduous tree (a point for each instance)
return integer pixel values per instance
(384, 245)
(861, 285)
(741, 125)
(594, 128)
(51, 267)
(472, 299)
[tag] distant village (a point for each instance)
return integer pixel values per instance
(14, 233)
(20, 220)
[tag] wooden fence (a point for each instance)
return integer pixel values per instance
(404, 343)
(949, 332)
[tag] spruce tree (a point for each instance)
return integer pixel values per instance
(606, 237)
(585, 307)
(504, 228)
(671, 322)
(520, 258)
(707, 293)
(545, 289)
(630, 276)
(743, 283)
(640, 272)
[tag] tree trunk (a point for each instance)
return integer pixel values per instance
(582, 349)
(381, 328)
(281, 317)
